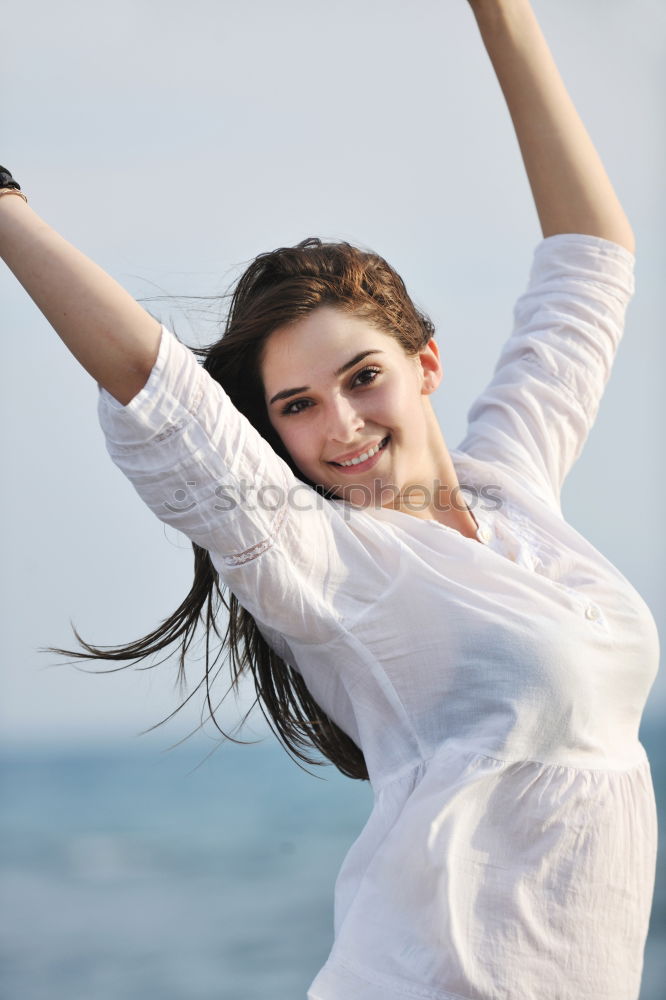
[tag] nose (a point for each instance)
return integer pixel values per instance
(344, 421)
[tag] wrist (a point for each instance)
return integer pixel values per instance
(7, 192)
(506, 26)
(10, 186)
(16, 219)
(495, 12)
(12, 201)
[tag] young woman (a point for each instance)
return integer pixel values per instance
(425, 617)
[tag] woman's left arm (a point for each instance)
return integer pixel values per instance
(571, 189)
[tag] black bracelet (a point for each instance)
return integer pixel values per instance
(7, 181)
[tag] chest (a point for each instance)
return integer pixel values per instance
(534, 614)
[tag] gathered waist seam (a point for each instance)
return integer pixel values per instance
(471, 752)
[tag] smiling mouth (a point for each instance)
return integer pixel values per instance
(364, 456)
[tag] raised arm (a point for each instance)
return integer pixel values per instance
(571, 188)
(106, 330)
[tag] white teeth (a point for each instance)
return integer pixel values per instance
(364, 457)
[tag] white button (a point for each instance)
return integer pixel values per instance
(592, 612)
(484, 533)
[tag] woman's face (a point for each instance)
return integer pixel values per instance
(337, 389)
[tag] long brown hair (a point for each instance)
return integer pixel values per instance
(277, 288)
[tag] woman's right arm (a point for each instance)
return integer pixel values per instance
(106, 330)
(572, 191)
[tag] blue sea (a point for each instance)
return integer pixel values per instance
(130, 873)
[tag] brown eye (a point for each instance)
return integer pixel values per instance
(290, 408)
(370, 371)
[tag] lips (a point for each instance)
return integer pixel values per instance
(380, 446)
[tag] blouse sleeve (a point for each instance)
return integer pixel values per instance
(535, 414)
(286, 553)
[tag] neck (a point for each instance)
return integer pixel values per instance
(437, 496)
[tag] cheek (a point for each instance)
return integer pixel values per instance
(394, 401)
(297, 441)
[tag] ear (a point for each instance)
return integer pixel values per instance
(431, 367)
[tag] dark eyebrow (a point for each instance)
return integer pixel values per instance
(286, 393)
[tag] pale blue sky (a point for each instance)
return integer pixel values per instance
(173, 144)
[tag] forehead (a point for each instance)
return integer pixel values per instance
(318, 344)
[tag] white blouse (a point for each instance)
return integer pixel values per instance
(495, 689)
